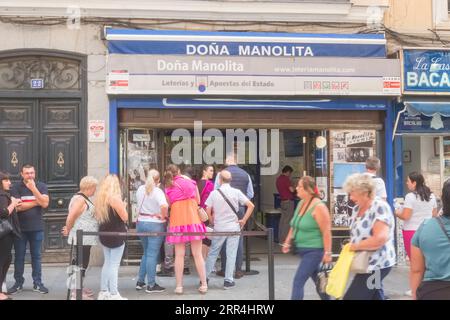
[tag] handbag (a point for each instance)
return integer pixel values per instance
(203, 216)
(5, 228)
(360, 262)
(338, 277)
(322, 277)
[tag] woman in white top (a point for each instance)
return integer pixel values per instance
(420, 204)
(152, 210)
(81, 216)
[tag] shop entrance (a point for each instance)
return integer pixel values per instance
(142, 149)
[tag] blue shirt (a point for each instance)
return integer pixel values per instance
(250, 193)
(30, 220)
(435, 247)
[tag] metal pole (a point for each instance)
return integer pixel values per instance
(80, 264)
(270, 260)
(247, 251)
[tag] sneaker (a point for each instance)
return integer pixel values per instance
(140, 285)
(238, 274)
(103, 295)
(40, 288)
(186, 271)
(117, 297)
(16, 288)
(220, 273)
(228, 285)
(155, 288)
(408, 293)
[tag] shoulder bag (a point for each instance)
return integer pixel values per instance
(203, 216)
(5, 227)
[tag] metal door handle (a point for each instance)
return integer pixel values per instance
(60, 202)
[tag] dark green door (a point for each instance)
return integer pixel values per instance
(48, 134)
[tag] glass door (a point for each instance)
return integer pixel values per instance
(138, 154)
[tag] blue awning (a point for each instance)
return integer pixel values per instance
(182, 42)
(428, 108)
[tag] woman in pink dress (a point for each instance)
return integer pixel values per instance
(184, 198)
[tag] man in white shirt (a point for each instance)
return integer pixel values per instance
(222, 206)
(373, 164)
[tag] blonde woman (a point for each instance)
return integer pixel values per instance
(152, 210)
(111, 214)
(81, 216)
(184, 199)
(372, 228)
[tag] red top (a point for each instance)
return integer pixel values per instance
(283, 184)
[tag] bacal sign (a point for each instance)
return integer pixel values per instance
(426, 71)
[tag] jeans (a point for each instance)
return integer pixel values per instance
(360, 287)
(151, 246)
(110, 270)
(308, 268)
(35, 239)
(240, 251)
(232, 243)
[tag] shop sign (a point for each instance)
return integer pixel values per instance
(210, 75)
(426, 71)
(254, 44)
(96, 130)
(423, 124)
(118, 80)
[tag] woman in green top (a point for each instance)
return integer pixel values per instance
(430, 255)
(311, 232)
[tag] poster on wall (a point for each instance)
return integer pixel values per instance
(350, 150)
(322, 185)
(96, 130)
(342, 209)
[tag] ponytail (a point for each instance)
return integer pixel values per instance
(171, 171)
(150, 183)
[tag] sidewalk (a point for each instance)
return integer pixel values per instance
(254, 287)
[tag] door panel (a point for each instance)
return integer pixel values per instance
(53, 239)
(60, 115)
(16, 114)
(60, 159)
(17, 149)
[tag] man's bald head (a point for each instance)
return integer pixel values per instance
(225, 176)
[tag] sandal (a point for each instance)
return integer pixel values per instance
(179, 290)
(203, 289)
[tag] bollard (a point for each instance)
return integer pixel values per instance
(271, 264)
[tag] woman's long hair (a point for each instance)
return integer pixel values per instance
(109, 187)
(171, 172)
(150, 183)
(3, 176)
(309, 184)
(421, 189)
(446, 198)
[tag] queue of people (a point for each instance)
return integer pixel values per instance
(173, 207)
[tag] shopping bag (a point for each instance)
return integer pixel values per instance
(338, 277)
